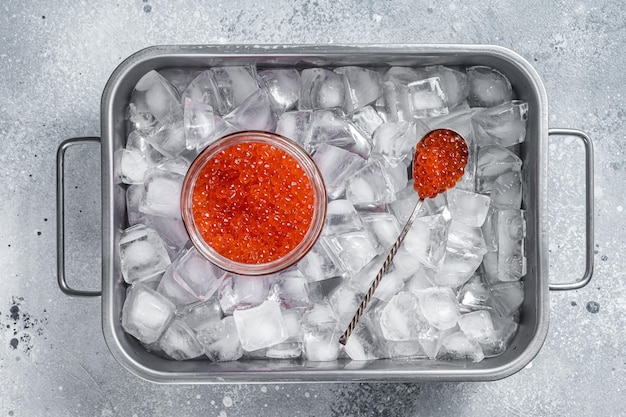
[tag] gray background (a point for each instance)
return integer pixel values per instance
(55, 59)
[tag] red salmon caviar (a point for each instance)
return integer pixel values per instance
(253, 203)
(439, 162)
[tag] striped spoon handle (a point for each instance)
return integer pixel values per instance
(359, 312)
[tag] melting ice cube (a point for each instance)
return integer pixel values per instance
(143, 255)
(320, 89)
(487, 87)
(283, 87)
(260, 327)
(146, 313)
(439, 307)
(179, 341)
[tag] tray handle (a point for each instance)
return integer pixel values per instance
(61, 216)
(589, 228)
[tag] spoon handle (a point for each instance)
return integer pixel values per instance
(359, 312)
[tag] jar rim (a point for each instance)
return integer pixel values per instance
(311, 171)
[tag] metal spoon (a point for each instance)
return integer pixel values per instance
(463, 154)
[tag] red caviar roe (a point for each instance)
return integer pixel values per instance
(439, 162)
(253, 203)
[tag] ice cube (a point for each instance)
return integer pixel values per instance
(143, 256)
(330, 126)
(504, 332)
(345, 301)
(172, 231)
(138, 142)
(506, 192)
(199, 122)
(511, 229)
(223, 128)
(389, 285)
(173, 291)
(405, 350)
(464, 254)
(201, 315)
(134, 194)
(474, 295)
(194, 274)
(162, 194)
(260, 327)
(367, 120)
(203, 90)
(503, 125)
(396, 141)
(132, 166)
(146, 313)
(417, 281)
(180, 78)
(439, 307)
(283, 86)
(179, 342)
(286, 350)
(490, 267)
(458, 120)
(468, 207)
(507, 297)
(366, 341)
(292, 318)
(336, 165)
(453, 83)
(320, 89)
(320, 333)
(427, 238)
(466, 238)
(152, 100)
(341, 217)
(290, 289)
(377, 182)
(405, 201)
(168, 137)
(489, 228)
(178, 165)
(458, 346)
(400, 319)
(295, 126)
(431, 340)
(321, 344)
(487, 87)
(234, 85)
(223, 344)
(352, 251)
(362, 86)
(383, 228)
(320, 313)
(477, 326)
(458, 265)
(362, 280)
(494, 161)
(426, 98)
(253, 113)
(326, 125)
(358, 350)
(242, 291)
(396, 98)
(404, 75)
(318, 265)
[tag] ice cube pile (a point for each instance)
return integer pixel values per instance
(456, 286)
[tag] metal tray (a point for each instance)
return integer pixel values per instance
(533, 326)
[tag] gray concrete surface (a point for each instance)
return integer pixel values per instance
(55, 58)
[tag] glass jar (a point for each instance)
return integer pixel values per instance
(197, 205)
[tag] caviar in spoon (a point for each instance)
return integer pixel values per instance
(438, 164)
